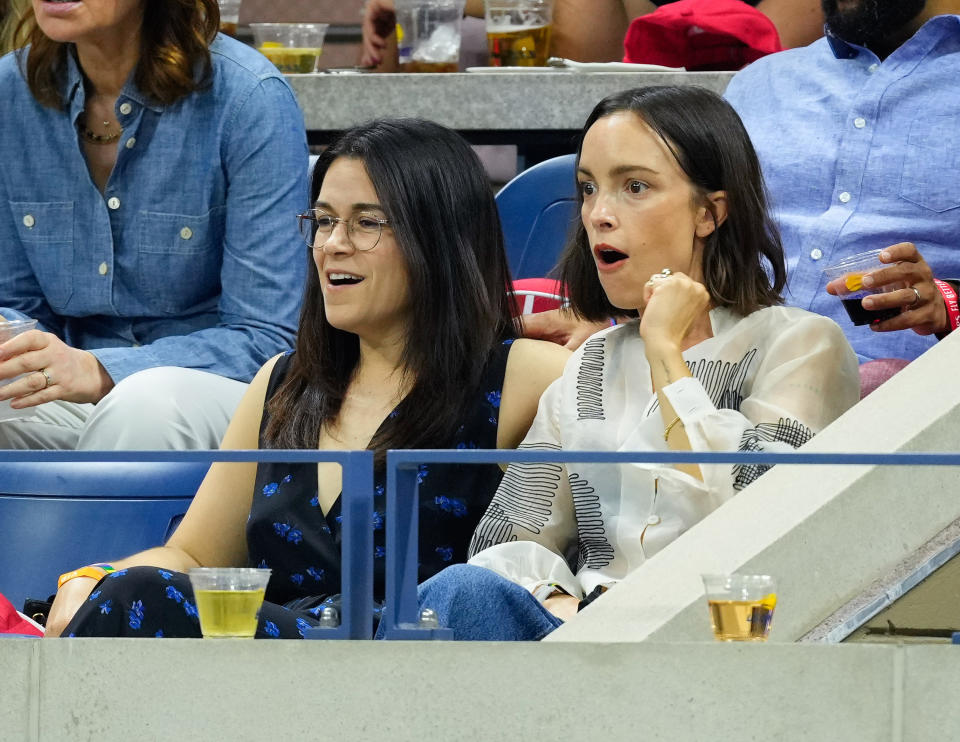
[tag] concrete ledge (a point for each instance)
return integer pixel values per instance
(122, 689)
(826, 532)
(491, 101)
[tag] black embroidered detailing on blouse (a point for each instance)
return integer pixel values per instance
(722, 380)
(595, 551)
(590, 381)
(789, 431)
(524, 498)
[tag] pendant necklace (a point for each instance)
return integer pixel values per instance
(93, 138)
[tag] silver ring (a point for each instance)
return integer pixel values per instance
(916, 301)
(666, 272)
(46, 375)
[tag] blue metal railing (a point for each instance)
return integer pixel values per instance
(402, 613)
(356, 505)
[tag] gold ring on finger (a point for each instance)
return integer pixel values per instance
(46, 377)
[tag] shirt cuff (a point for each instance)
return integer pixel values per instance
(689, 399)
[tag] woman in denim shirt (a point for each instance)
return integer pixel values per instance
(152, 168)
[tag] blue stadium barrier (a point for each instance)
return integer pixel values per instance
(63, 509)
(401, 619)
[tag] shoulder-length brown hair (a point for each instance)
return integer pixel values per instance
(743, 263)
(174, 52)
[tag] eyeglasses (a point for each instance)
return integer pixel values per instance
(363, 230)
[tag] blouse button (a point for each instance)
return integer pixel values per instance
(125, 108)
(844, 197)
(114, 203)
(29, 221)
(816, 253)
(131, 142)
(186, 233)
(102, 270)
(653, 520)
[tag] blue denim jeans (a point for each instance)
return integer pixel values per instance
(480, 605)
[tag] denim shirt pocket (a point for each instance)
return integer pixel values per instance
(931, 161)
(179, 261)
(45, 230)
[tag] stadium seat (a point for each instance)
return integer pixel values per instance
(537, 209)
(58, 516)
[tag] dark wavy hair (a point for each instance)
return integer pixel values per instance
(433, 189)
(174, 60)
(743, 263)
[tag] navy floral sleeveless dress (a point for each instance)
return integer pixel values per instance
(288, 532)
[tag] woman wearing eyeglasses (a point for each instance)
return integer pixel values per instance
(406, 340)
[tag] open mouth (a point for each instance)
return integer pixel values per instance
(343, 279)
(609, 255)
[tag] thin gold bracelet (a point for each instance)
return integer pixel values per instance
(666, 433)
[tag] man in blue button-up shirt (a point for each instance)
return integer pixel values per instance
(181, 254)
(859, 137)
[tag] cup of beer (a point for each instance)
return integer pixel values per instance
(846, 279)
(229, 16)
(428, 34)
(294, 48)
(518, 32)
(228, 600)
(741, 606)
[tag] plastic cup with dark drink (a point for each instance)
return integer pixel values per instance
(229, 16)
(845, 279)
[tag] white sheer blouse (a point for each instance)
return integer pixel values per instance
(765, 382)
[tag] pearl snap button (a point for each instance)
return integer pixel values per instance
(816, 253)
(114, 203)
(186, 233)
(125, 108)
(844, 197)
(29, 221)
(102, 269)
(859, 122)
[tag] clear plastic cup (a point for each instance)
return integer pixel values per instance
(518, 32)
(428, 35)
(228, 600)
(846, 277)
(8, 330)
(229, 16)
(741, 606)
(294, 48)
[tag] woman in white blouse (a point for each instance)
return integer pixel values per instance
(675, 234)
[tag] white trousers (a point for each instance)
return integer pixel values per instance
(158, 409)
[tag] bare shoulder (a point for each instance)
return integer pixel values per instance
(531, 367)
(536, 359)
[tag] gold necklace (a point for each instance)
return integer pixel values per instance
(93, 138)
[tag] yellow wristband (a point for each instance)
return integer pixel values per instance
(92, 571)
(666, 433)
